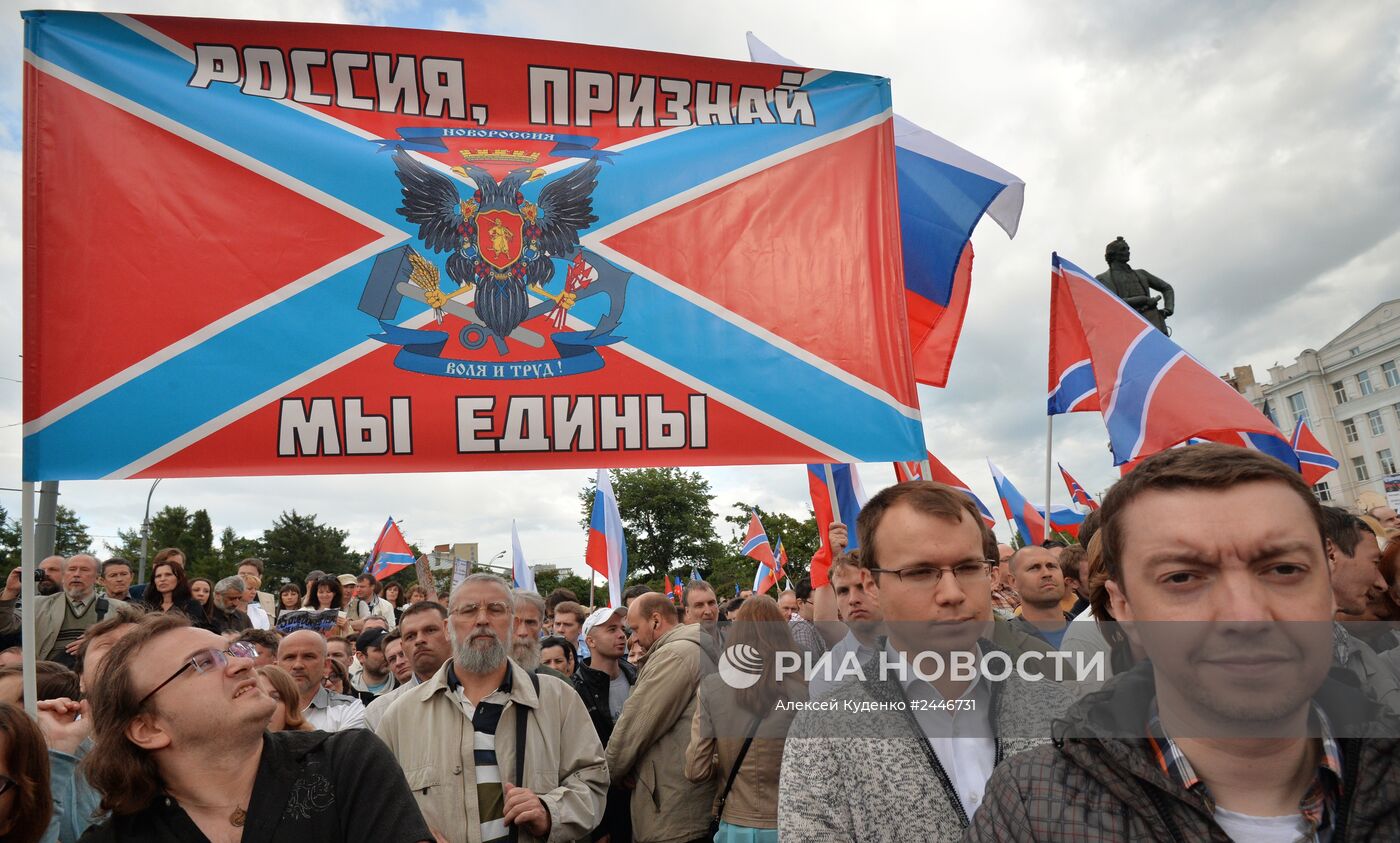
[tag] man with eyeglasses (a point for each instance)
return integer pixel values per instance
(906, 750)
(181, 752)
(494, 752)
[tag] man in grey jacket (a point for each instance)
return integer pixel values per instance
(906, 750)
(647, 747)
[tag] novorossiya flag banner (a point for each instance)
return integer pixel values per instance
(311, 249)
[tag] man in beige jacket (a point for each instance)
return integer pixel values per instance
(455, 736)
(647, 747)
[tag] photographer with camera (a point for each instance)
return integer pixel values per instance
(61, 618)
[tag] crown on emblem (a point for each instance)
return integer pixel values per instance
(510, 156)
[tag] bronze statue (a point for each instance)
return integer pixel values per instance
(1134, 286)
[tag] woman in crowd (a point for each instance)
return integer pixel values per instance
(338, 679)
(279, 684)
(169, 591)
(200, 589)
(327, 594)
(742, 728)
(417, 594)
(26, 802)
(393, 592)
(288, 599)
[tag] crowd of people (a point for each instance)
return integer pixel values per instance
(1247, 689)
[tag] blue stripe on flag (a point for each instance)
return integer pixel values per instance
(1138, 374)
(1075, 384)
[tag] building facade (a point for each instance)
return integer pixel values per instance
(1349, 393)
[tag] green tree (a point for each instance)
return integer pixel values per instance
(547, 581)
(72, 534)
(800, 540)
(297, 544)
(234, 548)
(667, 520)
(9, 541)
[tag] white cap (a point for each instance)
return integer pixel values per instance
(600, 616)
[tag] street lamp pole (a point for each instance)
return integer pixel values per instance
(146, 532)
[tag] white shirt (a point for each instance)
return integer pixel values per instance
(1290, 828)
(334, 712)
(962, 740)
(823, 682)
(1084, 636)
(258, 615)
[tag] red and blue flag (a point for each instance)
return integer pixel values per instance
(850, 497)
(1314, 460)
(940, 473)
(756, 547)
(1028, 519)
(636, 271)
(1152, 394)
(607, 544)
(1076, 491)
(391, 553)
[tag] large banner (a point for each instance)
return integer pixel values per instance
(263, 248)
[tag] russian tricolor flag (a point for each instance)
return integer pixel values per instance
(1315, 461)
(850, 497)
(1028, 519)
(940, 473)
(943, 191)
(391, 553)
(607, 548)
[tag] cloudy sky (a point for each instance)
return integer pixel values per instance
(1249, 152)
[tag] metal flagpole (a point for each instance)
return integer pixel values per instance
(592, 581)
(1049, 464)
(26, 596)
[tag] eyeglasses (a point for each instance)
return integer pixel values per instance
(207, 660)
(494, 609)
(926, 576)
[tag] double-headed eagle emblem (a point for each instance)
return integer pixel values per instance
(500, 245)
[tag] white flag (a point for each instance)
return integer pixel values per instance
(524, 577)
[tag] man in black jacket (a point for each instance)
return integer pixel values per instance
(605, 683)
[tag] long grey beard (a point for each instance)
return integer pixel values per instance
(476, 660)
(525, 653)
(502, 305)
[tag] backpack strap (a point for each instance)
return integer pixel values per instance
(734, 771)
(522, 719)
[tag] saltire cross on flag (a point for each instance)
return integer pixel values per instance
(850, 497)
(940, 473)
(943, 191)
(1076, 491)
(607, 545)
(1315, 461)
(391, 553)
(757, 548)
(360, 249)
(1152, 394)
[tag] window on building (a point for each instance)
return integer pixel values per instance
(1339, 392)
(1354, 351)
(1299, 405)
(1386, 460)
(1392, 375)
(1323, 492)
(1358, 465)
(1349, 430)
(1363, 382)
(1376, 422)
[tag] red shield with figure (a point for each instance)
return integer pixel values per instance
(498, 237)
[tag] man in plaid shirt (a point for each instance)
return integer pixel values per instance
(1235, 728)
